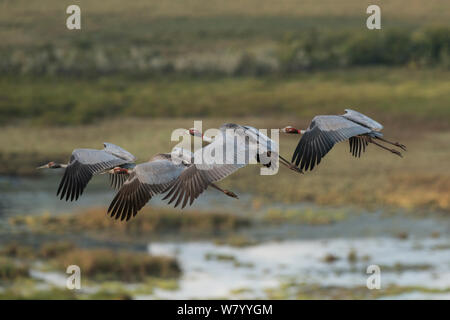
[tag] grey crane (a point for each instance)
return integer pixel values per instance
(327, 130)
(150, 178)
(198, 176)
(84, 163)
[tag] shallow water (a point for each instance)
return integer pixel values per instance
(301, 261)
(296, 258)
(24, 195)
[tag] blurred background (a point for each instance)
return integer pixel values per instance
(139, 69)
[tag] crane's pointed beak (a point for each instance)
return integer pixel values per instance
(45, 166)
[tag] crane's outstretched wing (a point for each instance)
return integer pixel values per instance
(198, 176)
(323, 133)
(358, 144)
(117, 180)
(362, 119)
(82, 165)
(146, 180)
(196, 179)
(118, 152)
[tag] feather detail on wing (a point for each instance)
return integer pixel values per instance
(205, 170)
(358, 144)
(323, 133)
(83, 164)
(117, 180)
(362, 119)
(146, 180)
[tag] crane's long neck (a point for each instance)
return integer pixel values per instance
(59, 165)
(52, 165)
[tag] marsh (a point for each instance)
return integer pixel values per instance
(137, 71)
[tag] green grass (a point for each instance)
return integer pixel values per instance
(401, 92)
(194, 58)
(305, 216)
(25, 23)
(201, 38)
(302, 51)
(11, 270)
(49, 294)
(238, 241)
(302, 291)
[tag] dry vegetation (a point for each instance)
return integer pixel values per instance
(98, 264)
(150, 222)
(104, 264)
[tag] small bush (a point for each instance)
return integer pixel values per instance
(54, 249)
(11, 270)
(149, 220)
(105, 264)
(16, 250)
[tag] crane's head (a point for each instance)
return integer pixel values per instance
(50, 165)
(194, 132)
(291, 130)
(118, 170)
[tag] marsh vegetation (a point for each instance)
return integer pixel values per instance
(140, 69)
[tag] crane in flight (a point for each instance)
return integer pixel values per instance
(327, 130)
(198, 176)
(183, 179)
(84, 163)
(150, 178)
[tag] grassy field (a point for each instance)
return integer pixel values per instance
(26, 23)
(410, 93)
(202, 58)
(201, 38)
(162, 22)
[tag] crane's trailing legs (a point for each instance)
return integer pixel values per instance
(386, 148)
(401, 146)
(289, 165)
(227, 192)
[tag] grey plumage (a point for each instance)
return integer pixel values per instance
(327, 130)
(146, 180)
(198, 176)
(362, 119)
(118, 152)
(84, 163)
